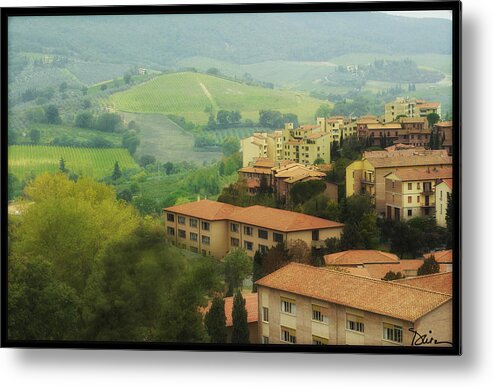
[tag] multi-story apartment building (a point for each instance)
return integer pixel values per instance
(443, 191)
(214, 228)
(410, 192)
(306, 144)
(410, 107)
(368, 174)
(338, 126)
(262, 145)
(253, 175)
(301, 304)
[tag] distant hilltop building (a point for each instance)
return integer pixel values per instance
(410, 107)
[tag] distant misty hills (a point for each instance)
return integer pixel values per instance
(164, 40)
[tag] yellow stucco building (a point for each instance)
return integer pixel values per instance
(214, 228)
(301, 304)
(443, 190)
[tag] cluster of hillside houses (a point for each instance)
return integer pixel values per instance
(345, 302)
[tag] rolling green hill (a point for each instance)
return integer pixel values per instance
(96, 163)
(188, 94)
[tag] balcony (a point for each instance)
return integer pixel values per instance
(369, 182)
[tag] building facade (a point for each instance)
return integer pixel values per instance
(301, 304)
(410, 192)
(443, 191)
(214, 228)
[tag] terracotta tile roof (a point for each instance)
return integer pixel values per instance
(264, 162)
(378, 270)
(265, 217)
(412, 120)
(438, 282)
(444, 123)
(313, 136)
(385, 298)
(293, 142)
(280, 220)
(308, 127)
(442, 256)
(412, 174)
(297, 170)
(384, 126)
(408, 158)
(448, 182)
(360, 257)
(204, 209)
(263, 171)
(302, 177)
(251, 305)
(366, 121)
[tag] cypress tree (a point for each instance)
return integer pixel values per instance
(430, 266)
(215, 321)
(240, 322)
(257, 269)
(116, 172)
(62, 165)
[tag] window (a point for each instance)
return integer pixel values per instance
(203, 252)
(263, 234)
(392, 333)
(235, 242)
(194, 236)
(265, 340)
(248, 245)
(206, 240)
(206, 226)
(441, 195)
(265, 314)
(182, 233)
(263, 248)
(170, 217)
(320, 313)
(193, 223)
(234, 227)
(288, 306)
(248, 230)
(417, 199)
(409, 186)
(181, 219)
(316, 340)
(315, 235)
(171, 231)
(288, 335)
(279, 238)
(355, 323)
(441, 209)
(409, 212)
(393, 184)
(409, 199)
(418, 185)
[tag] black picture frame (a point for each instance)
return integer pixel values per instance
(454, 6)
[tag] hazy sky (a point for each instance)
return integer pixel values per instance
(436, 14)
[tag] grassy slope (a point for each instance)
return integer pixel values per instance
(97, 163)
(165, 140)
(49, 132)
(188, 94)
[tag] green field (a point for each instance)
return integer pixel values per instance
(97, 163)
(165, 140)
(188, 94)
(50, 132)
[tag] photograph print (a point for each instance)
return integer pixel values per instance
(266, 177)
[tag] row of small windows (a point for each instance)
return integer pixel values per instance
(192, 222)
(261, 233)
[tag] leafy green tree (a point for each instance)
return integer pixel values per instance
(145, 160)
(239, 334)
(213, 71)
(432, 118)
(168, 167)
(103, 87)
(35, 136)
(392, 276)
(237, 266)
(108, 122)
(215, 321)
(271, 119)
(14, 186)
(63, 87)
(61, 166)
(322, 207)
(290, 118)
(79, 219)
(223, 118)
(52, 115)
(230, 146)
(125, 195)
(41, 307)
(116, 172)
(303, 191)
(323, 111)
(131, 141)
(320, 160)
(430, 266)
(127, 77)
(84, 120)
